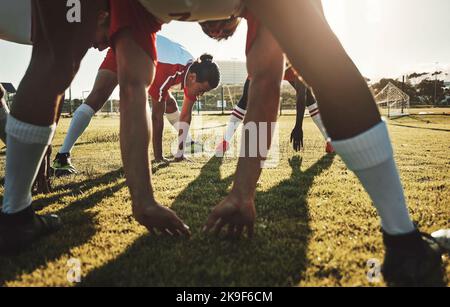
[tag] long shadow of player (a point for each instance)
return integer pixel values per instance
(276, 256)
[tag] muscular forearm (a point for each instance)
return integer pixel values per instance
(135, 133)
(300, 108)
(263, 108)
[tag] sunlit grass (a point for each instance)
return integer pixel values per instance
(315, 227)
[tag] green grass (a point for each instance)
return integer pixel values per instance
(315, 224)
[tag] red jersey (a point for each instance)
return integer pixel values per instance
(131, 14)
(167, 75)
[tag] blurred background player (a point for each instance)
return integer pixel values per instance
(176, 66)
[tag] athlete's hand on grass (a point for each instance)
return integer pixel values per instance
(297, 138)
(234, 214)
(158, 218)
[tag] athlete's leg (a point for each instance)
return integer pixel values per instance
(236, 118)
(173, 116)
(158, 110)
(104, 85)
(314, 112)
(343, 92)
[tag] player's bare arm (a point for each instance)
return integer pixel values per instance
(135, 73)
(265, 64)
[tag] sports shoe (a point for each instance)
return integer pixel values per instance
(62, 165)
(19, 230)
(329, 148)
(412, 260)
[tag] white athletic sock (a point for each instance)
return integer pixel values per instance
(236, 118)
(173, 119)
(80, 121)
(370, 156)
(4, 111)
(317, 119)
(27, 145)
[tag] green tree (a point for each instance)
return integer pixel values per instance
(427, 88)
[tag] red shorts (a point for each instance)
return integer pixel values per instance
(290, 74)
(109, 63)
(130, 14)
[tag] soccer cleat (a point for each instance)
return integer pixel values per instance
(413, 260)
(329, 148)
(222, 148)
(62, 165)
(20, 230)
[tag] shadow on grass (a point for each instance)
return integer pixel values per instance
(76, 188)
(78, 227)
(275, 257)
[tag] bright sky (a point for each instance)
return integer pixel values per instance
(385, 38)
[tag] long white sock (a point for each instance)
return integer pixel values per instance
(236, 118)
(80, 121)
(27, 145)
(370, 156)
(173, 119)
(317, 119)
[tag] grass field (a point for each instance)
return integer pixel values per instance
(315, 225)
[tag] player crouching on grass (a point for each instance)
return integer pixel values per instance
(176, 67)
